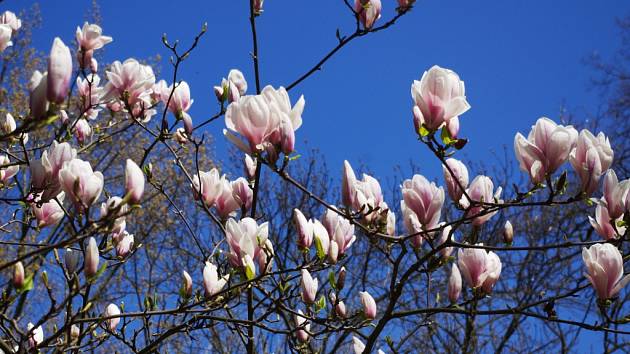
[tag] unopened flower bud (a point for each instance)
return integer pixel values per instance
(18, 275)
(508, 233)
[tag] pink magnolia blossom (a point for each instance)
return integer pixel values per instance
(424, 199)
(546, 148)
(242, 192)
(508, 232)
(114, 208)
(9, 18)
(82, 131)
(18, 275)
(91, 258)
(446, 251)
(45, 178)
(5, 37)
(340, 230)
(130, 81)
(7, 124)
(478, 267)
(454, 288)
(187, 284)
(340, 309)
(615, 194)
(82, 185)
(439, 96)
(412, 225)
(207, 186)
(36, 335)
(367, 197)
(321, 238)
(225, 203)
(303, 327)
(368, 11)
(59, 72)
(309, 287)
(604, 266)
(249, 165)
(7, 172)
(456, 180)
(590, 158)
(134, 182)
(369, 305)
(180, 100)
(48, 213)
(602, 222)
(89, 95)
(89, 38)
(246, 238)
(481, 190)
(37, 87)
(304, 229)
(125, 244)
(212, 284)
(112, 310)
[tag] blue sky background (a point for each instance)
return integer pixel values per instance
(520, 60)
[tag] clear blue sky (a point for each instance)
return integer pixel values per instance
(519, 59)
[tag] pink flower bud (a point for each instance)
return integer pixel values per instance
(405, 4)
(304, 228)
(347, 184)
(425, 199)
(180, 100)
(508, 233)
(368, 11)
(250, 167)
(439, 97)
(493, 267)
(81, 184)
(91, 258)
(48, 213)
(340, 309)
(615, 194)
(333, 252)
(187, 284)
(453, 127)
(446, 251)
(481, 190)
(112, 310)
(134, 182)
(341, 278)
(64, 116)
(36, 335)
(454, 288)
(94, 66)
(71, 260)
(75, 332)
(288, 137)
(602, 223)
(82, 131)
(7, 124)
(125, 244)
(37, 87)
(180, 136)
(604, 265)
(309, 287)
(5, 37)
(218, 92)
(545, 149)
(59, 72)
(242, 193)
(303, 327)
(456, 180)
(208, 187)
(591, 157)
(369, 305)
(236, 77)
(479, 268)
(211, 282)
(18, 275)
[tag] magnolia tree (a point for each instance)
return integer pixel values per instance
(153, 245)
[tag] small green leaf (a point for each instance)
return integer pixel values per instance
(331, 279)
(423, 131)
(446, 137)
(320, 304)
(28, 284)
(321, 253)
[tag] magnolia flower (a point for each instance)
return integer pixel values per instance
(130, 81)
(7, 172)
(478, 267)
(615, 194)
(71, 260)
(368, 11)
(302, 327)
(212, 284)
(456, 180)
(37, 86)
(5, 37)
(340, 309)
(602, 223)
(225, 203)
(339, 229)
(424, 199)
(179, 101)
(242, 193)
(9, 18)
(405, 4)
(82, 131)
(18, 275)
(180, 136)
(187, 284)
(125, 244)
(246, 238)
(439, 96)
(36, 335)
(604, 266)
(82, 185)
(91, 258)
(134, 182)
(508, 232)
(454, 287)
(45, 177)
(59, 72)
(207, 186)
(7, 124)
(304, 229)
(48, 213)
(446, 251)
(112, 310)
(75, 331)
(309, 287)
(481, 191)
(369, 305)
(116, 209)
(89, 38)
(546, 148)
(591, 157)
(321, 237)
(250, 167)
(412, 225)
